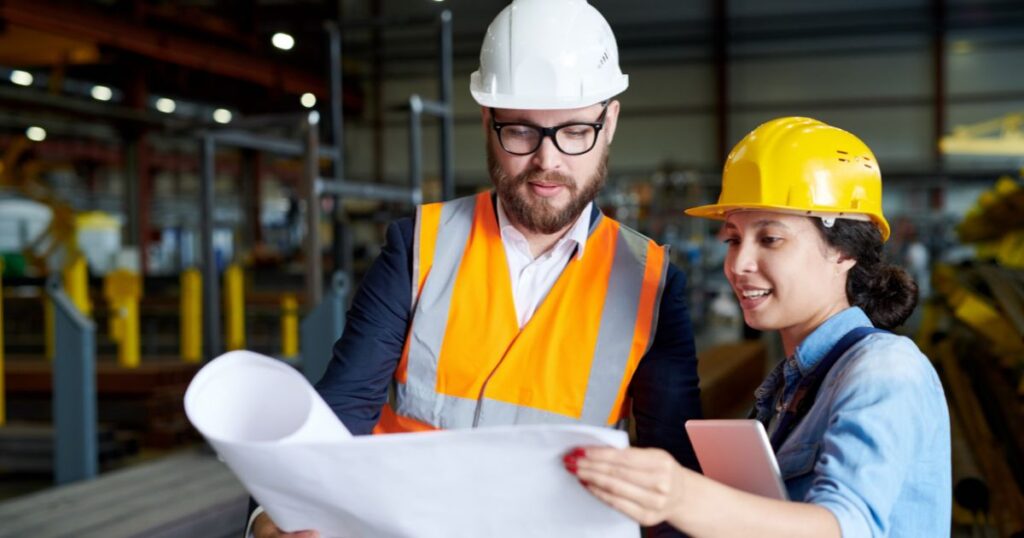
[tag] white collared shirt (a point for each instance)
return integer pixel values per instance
(532, 278)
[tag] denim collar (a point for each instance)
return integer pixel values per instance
(822, 339)
(807, 355)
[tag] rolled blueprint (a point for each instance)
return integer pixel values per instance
(300, 463)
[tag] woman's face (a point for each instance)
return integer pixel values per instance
(783, 273)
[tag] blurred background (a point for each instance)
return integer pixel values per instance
(182, 178)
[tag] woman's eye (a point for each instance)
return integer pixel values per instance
(769, 240)
(731, 241)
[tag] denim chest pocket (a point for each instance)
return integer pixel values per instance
(798, 460)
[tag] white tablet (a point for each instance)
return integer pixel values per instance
(737, 453)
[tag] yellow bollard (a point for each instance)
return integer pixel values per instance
(76, 283)
(289, 325)
(3, 395)
(123, 289)
(234, 306)
(191, 315)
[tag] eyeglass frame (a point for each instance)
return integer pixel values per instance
(550, 132)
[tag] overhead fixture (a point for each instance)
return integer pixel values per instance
(165, 105)
(283, 41)
(35, 133)
(101, 93)
(962, 46)
(222, 115)
(21, 78)
(308, 100)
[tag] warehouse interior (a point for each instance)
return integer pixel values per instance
(181, 178)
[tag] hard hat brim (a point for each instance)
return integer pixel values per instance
(544, 102)
(721, 211)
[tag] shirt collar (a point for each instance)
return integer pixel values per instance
(821, 340)
(578, 234)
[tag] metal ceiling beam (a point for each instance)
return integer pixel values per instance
(159, 45)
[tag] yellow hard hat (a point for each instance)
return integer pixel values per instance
(801, 166)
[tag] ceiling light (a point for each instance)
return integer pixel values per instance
(35, 134)
(21, 78)
(222, 115)
(165, 105)
(308, 100)
(283, 41)
(101, 93)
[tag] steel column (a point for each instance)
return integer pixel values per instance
(311, 242)
(76, 456)
(322, 327)
(448, 118)
(211, 286)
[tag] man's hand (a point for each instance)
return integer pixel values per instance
(264, 527)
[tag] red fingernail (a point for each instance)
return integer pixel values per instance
(578, 453)
(571, 466)
(584, 483)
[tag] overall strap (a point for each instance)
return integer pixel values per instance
(807, 389)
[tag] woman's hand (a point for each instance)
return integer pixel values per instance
(646, 484)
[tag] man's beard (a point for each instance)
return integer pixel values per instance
(535, 213)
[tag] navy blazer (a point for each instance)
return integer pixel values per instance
(664, 388)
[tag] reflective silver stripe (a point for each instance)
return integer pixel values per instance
(498, 413)
(458, 413)
(417, 233)
(431, 315)
(662, 281)
(618, 323)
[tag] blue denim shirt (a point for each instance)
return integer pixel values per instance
(874, 448)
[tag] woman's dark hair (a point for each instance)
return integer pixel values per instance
(885, 292)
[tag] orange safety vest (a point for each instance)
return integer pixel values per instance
(467, 363)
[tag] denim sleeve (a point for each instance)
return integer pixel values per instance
(355, 384)
(884, 408)
(664, 388)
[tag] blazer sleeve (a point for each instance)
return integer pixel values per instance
(355, 384)
(665, 388)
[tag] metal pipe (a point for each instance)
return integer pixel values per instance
(211, 287)
(338, 252)
(415, 149)
(433, 108)
(365, 191)
(310, 173)
(448, 119)
(938, 77)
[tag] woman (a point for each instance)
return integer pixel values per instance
(867, 452)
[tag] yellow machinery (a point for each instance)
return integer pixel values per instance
(123, 289)
(234, 306)
(289, 326)
(998, 137)
(191, 315)
(974, 330)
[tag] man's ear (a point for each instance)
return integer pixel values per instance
(611, 120)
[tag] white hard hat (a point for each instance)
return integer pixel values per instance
(547, 54)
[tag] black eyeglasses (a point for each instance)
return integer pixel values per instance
(569, 138)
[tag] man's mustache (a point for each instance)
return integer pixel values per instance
(547, 178)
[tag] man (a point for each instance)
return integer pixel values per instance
(524, 305)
